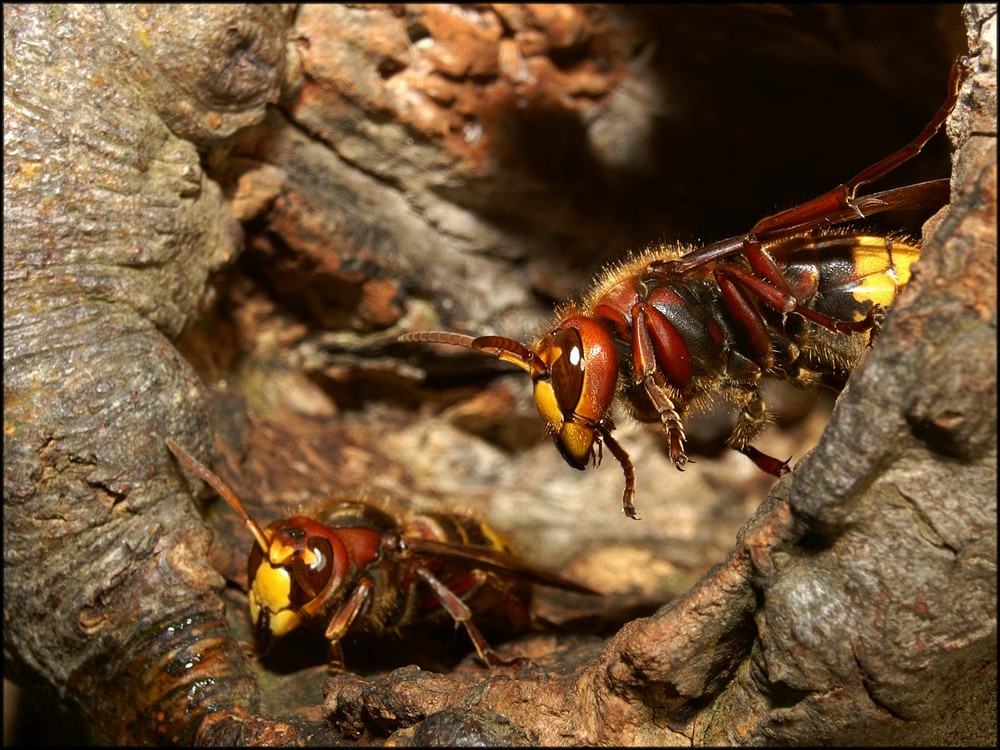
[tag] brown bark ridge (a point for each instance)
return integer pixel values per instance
(463, 168)
(111, 228)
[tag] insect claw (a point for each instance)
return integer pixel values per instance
(597, 454)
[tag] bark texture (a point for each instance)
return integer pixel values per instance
(411, 167)
(111, 608)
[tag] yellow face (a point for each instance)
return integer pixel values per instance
(576, 392)
(575, 440)
(271, 590)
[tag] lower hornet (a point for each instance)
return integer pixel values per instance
(359, 567)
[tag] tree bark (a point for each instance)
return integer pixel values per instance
(411, 167)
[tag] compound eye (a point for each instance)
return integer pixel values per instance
(567, 370)
(311, 578)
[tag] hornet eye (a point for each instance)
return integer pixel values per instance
(312, 579)
(567, 370)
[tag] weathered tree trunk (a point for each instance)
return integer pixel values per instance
(111, 609)
(464, 168)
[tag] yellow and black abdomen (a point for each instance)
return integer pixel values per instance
(461, 529)
(844, 276)
(490, 595)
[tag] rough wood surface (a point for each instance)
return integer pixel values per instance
(410, 167)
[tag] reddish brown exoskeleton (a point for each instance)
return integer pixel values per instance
(671, 329)
(356, 566)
